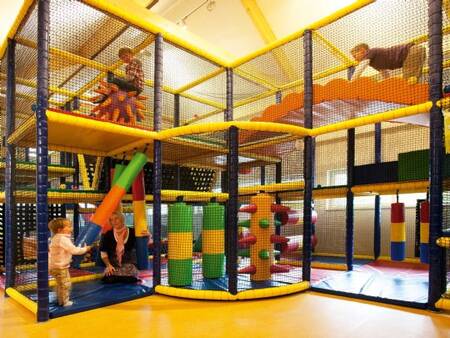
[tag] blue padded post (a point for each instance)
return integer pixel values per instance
(232, 209)
(10, 170)
(349, 219)
(42, 158)
(377, 211)
(157, 159)
(308, 164)
(437, 275)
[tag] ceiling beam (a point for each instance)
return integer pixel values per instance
(266, 32)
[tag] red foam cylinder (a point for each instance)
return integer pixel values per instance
(425, 212)
(251, 269)
(278, 239)
(138, 188)
(275, 268)
(279, 208)
(289, 217)
(397, 213)
(247, 240)
(251, 209)
(289, 247)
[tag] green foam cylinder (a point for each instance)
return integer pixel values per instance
(213, 265)
(213, 219)
(131, 171)
(180, 217)
(118, 170)
(180, 272)
(180, 221)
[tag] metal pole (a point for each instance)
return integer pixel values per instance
(349, 219)
(157, 160)
(10, 170)
(42, 158)
(308, 155)
(377, 211)
(437, 273)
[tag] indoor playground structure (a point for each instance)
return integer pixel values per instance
(257, 176)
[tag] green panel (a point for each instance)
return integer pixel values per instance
(213, 216)
(132, 170)
(213, 265)
(414, 165)
(180, 272)
(180, 217)
(118, 170)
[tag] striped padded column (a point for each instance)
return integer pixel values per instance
(424, 231)
(180, 244)
(398, 232)
(140, 221)
(213, 240)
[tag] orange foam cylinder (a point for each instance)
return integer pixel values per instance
(109, 205)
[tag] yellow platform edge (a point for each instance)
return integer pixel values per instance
(22, 300)
(443, 304)
(223, 295)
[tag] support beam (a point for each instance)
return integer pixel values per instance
(10, 170)
(43, 31)
(266, 32)
(157, 160)
(308, 156)
(437, 270)
(349, 218)
(377, 211)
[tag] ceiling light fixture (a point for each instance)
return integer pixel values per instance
(210, 5)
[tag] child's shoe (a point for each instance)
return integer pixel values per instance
(68, 303)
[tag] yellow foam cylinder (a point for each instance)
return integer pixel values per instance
(262, 227)
(140, 219)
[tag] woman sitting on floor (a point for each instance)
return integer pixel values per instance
(118, 252)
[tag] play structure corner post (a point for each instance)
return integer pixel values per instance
(157, 159)
(43, 30)
(437, 273)
(10, 182)
(308, 155)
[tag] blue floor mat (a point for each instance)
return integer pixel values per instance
(404, 288)
(94, 294)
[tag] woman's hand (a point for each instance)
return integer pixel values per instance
(145, 233)
(109, 270)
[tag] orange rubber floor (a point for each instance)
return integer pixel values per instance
(301, 315)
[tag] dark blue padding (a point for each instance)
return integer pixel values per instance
(424, 253)
(412, 289)
(94, 294)
(398, 251)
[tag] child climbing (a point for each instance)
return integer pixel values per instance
(119, 98)
(61, 250)
(134, 74)
(409, 57)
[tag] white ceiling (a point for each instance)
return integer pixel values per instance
(229, 26)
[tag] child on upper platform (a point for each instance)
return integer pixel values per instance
(409, 57)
